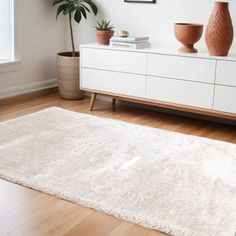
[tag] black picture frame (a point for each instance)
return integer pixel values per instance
(141, 1)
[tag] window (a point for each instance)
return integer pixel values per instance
(6, 30)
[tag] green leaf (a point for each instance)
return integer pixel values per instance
(83, 12)
(99, 25)
(60, 9)
(69, 9)
(57, 1)
(93, 6)
(82, 5)
(104, 25)
(77, 16)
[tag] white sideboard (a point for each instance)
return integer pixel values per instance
(190, 82)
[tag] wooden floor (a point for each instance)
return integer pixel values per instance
(27, 212)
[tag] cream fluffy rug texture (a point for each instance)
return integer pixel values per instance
(179, 184)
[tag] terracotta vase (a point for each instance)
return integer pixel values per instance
(219, 33)
(103, 37)
(188, 34)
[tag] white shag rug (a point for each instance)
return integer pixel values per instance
(175, 183)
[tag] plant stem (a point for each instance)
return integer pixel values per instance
(72, 36)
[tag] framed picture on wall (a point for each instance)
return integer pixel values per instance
(141, 1)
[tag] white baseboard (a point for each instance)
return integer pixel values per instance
(27, 88)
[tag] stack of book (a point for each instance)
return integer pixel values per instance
(130, 42)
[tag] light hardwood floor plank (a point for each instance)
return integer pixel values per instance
(4, 185)
(15, 196)
(96, 224)
(53, 218)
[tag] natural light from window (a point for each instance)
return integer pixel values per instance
(6, 30)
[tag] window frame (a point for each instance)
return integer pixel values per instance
(11, 63)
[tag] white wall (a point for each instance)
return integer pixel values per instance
(38, 39)
(155, 20)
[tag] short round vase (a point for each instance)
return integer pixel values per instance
(219, 32)
(188, 34)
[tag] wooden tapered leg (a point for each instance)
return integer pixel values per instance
(113, 102)
(93, 99)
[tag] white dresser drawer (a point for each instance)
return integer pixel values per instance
(113, 82)
(226, 73)
(225, 99)
(114, 60)
(185, 68)
(180, 92)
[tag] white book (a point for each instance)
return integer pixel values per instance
(130, 39)
(131, 45)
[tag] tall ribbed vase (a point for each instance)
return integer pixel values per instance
(219, 33)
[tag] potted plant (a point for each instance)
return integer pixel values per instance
(68, 63)
(104, 31)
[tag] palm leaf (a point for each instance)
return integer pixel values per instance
(78, 16)
(83, 11)
(57, 1)
(60, 9)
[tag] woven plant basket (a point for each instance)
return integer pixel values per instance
(68, 74)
